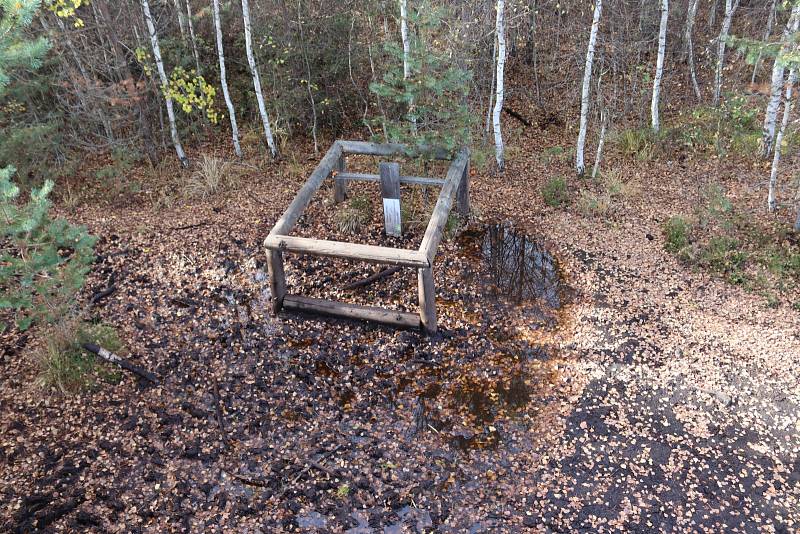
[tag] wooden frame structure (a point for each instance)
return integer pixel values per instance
(455, 186)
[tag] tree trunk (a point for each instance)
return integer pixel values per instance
(173, 127)
(181, 18)
(767, 33)
(407, 57)
(190, 23)
(499, 91)
(308, 78)
(600, 143)
(662, 47)
(772, 203)
(124, 73)
(730, 8)
(251, 60)
(690, 18)
(223, 80)
(580, 166)
(776, 86)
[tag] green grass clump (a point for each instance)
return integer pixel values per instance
(354, 215)
(676, 234)
(555, 192)
(638, 143)
(63, 363)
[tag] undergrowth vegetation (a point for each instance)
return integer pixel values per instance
(718, 239)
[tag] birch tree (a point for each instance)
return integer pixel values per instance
(580, 166)
(406, 55)
(776, 158)
(662, 47)
(770, 23)
(251, 61)
(192, 37)
(690, 18)
(223, 80)
(730, 8)
(776, 85)
(173, 128)
(499, 150)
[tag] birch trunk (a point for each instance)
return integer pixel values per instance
(308, 79)
(193, 39)
(776, 158)
(499, 150)
(251, 60)
(580, 166)
(173, 128)
(662, 47)
(776, 86)
(407, 57)
(181, 17)
(767, 33)
(690, 18)
(730, 8)
(600, 143)
(223, 80)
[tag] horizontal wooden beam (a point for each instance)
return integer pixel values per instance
(387, 149)
(299, 303)
(416, 180)
(351, 251)
(303, 197)
(441, 212)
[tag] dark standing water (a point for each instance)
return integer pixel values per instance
(519, 266)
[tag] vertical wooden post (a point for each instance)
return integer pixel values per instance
(427, 300)
(462, 196)
(390, 191)
(277, 279)
(340, 186)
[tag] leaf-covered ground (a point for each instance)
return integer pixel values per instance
(655, 397)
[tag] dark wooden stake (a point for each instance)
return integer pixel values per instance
(110, 357)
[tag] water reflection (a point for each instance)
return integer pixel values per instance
(519, 266)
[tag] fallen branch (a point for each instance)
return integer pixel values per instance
(189, 226)
(119, 360)
(100, 295)
(517, 116)
(220, 420)
(374, 277)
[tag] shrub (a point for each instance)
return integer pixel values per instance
(637, 143)
(723, 255)
(211, 176)
(64, 364)
(555, 192)
(43, 262)
(591, 204)
(355, 215)
(676, 234)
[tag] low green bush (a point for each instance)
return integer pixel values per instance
(555, 192)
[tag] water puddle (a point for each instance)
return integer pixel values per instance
(516, 267)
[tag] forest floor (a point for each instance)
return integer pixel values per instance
(622, 389)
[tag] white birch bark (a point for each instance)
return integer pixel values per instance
(407, 56)
(224, 80)
(690, 18)
(251, 60)
(192, 37)
(662, 47)
(776, 85)
(776, 158)
(600, 144)
(580, 166)
(797, 221)
(173, 128)
(181, 17)
(499, 150)
(730, 9)
(767, 33)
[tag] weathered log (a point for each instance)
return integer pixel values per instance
(352, 251)
(388, 149)
(441, 212)
(411, 180)
(383, 273)
(110, 357)
(427, 300)
(350, 311)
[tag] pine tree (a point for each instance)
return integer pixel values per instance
(17, 52)
(43, 262)
(429, 91)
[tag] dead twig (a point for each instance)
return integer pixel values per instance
(220, 421)
(110, 357)
(383, 273)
